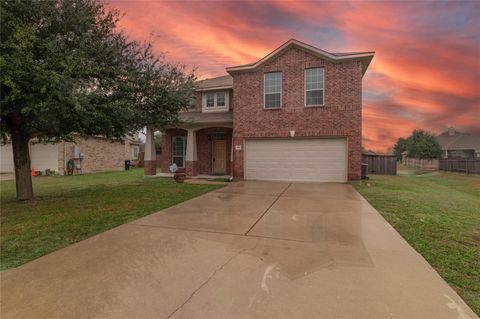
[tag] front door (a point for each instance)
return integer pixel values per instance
(219, 157)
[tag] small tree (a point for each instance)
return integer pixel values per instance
(66, 69)
(400, 147)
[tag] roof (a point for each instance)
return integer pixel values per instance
(454, 140)
(364, 57)
(206, 118)
(221, 82)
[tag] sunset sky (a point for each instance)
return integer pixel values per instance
(425, 73)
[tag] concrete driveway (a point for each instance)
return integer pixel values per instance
(249, 250)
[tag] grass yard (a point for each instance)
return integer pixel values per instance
(71, 208)
(439, 215)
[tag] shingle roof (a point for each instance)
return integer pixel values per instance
(350, 53)
(459, 141)
(205, 118)
(225, 81)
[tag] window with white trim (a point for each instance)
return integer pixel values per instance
(215, 101)
(273, 90)
(221, 99)
(179, 148)
(210, 100)
(135, 151)
(314, 87)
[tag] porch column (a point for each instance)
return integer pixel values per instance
(150, 168)
(191, 153)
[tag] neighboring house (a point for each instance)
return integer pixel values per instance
(90, 155)
(459, 145)
(293, 115)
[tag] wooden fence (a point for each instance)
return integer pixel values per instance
(426, 164)
(465, 165)
(380, 164)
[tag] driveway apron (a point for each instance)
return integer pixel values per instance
(248, 250)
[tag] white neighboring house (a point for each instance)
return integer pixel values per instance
(90, 155)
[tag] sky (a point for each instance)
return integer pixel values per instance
(425, 73)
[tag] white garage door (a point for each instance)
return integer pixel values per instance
(6, 159)
(306, 160)
(44, 156)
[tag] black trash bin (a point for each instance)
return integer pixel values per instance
(364, 171)
(127, 165)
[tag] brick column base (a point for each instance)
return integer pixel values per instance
(150, 168)
(191, 168)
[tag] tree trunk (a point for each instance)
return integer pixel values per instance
(21, 160)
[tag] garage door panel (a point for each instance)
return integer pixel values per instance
(6, 159)
(44, 156)
(319, 160)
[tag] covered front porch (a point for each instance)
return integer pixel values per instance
(201, 143)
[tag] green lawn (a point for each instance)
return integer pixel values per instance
(439, 215)
(69, 209)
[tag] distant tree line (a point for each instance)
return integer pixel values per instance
(419, 144)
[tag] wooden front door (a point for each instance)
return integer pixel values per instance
(219, 157)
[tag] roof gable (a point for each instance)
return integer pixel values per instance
(364, 57)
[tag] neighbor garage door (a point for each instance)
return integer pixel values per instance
(6, 160)
(309, 160)
(44, 156)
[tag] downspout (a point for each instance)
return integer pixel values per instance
(64, 158)
(231, 158)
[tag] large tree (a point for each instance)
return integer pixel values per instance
(400, 147)
(65, 68)
(428, 147)
(412, 142)
(423, 145)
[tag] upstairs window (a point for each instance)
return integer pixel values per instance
(273, 90)
(215, 101)
(210, 100)
(314, 86)
(220, 99)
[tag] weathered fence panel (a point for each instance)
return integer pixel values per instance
(465, 165)
(427, 164)
(381, 164)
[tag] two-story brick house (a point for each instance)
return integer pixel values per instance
(294, 115)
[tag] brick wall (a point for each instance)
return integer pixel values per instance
(341, 115)
(198, 102)
(99, 154)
